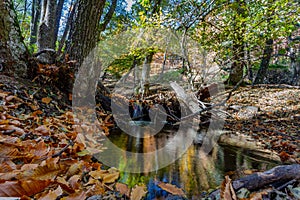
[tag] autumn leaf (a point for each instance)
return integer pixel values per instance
(74, 181)
(42, 130)
(17, 130)
(96, 189)
(138, 192)
(46, 100)
(47, 170)
(76, 196)
(52, 194)
(227, 191)
(171, 189)
(123, 189)
(24, 187)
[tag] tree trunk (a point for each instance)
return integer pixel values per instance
(261, 74)
(145, 84)
(238, 64)
(57, 19)
(35, 18)
(13, 52)
(72, 11)
(84, 36)
(46, 28)
(237, 67)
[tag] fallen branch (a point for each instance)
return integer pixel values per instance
(282, 173)
(281, 86)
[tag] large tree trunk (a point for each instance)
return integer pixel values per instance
(47, 25)
(237, 67)
(13, 52)
(84, 36)
(261, 74)
(238, 64)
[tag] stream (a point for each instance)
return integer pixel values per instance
(194, 171)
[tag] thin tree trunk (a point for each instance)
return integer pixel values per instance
(59, 9)
(261, 74)
(145, 84)
(36, 13)
(72, 11)
(25, 9)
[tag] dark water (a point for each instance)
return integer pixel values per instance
(194, 171)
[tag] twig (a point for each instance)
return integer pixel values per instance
(63, 149)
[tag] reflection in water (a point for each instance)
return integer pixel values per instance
(194, 172)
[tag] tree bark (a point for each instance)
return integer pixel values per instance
(238, 64)
(35, 18)
(259, 180)
(47, 25)
(108, 15)
(237, 67)
(261, 74)
(84, 36)
(13, 52)
(72, 11)
(145, 84)
(57, 20)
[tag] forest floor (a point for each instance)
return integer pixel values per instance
(42, 156)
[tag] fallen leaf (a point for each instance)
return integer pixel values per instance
(123, 189)
(24, 187)
(227, 191)
(111, 177)
(138, 192)
(171, 189)
(46, 100)
(52, 194)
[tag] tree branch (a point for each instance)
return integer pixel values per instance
(108, 15)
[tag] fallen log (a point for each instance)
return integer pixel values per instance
(282, 173)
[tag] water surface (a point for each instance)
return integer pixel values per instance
(194, 171)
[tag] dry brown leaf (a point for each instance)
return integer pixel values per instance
(96, 189)
(76, 168)
(227, 191)
(27, 167)
(74, 182)
(7, 166)
(76, 196)
(43, 130)
(171, 189)
(47, 170)
(52, 194)
(20, 188)
(46, 100)
(17, 130)
(123, 189)
(138, 192)
(64, 184)
(98, 174)
(40, 149)
(111, 177)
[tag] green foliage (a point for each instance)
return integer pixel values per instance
(120, 65)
